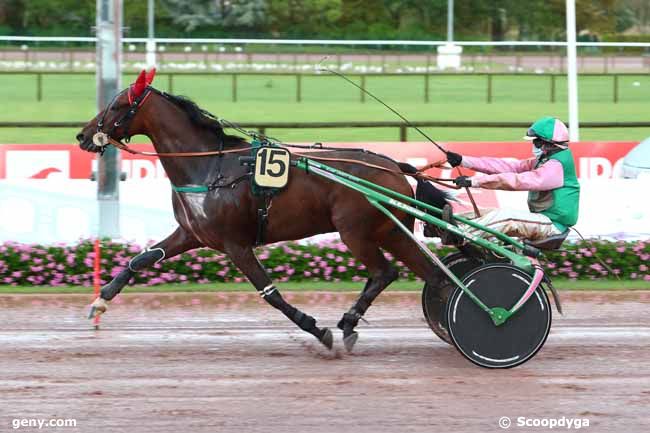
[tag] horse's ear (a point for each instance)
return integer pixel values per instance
(150, 75)
(140, 84)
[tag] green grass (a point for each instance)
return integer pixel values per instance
(72, 98)
(406, 286)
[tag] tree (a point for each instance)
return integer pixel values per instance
(371, 19)
(243, 13)
(192, 14)
(12, 14)
(307, 17)
(48, 16)
(135, 17)
(362, 13)
(633, 15)
(597, 16)
(424, 16)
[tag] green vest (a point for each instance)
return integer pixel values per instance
(561, 204)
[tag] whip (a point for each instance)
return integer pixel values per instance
(322, 68)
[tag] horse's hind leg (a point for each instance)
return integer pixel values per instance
(404, 249)
(246, 261)
(381, 275)
(176, 243)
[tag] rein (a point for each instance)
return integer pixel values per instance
(126, 148)
(367, 164)
(105, 139)
(102, 139)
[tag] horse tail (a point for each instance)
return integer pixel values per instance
(429, 194)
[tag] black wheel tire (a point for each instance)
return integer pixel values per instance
(434, 299)
(515, 341)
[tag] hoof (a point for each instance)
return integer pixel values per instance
(97, 308)
(350, 341)
(327, 339)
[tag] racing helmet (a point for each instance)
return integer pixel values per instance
(549, 130)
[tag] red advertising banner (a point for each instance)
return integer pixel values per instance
(67, 161)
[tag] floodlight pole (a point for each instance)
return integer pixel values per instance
(450, 21)
(572, 70)
(109, 60)
(151, 42)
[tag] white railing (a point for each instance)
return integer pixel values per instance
(343, 42)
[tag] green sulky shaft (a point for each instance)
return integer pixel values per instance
(383, 195)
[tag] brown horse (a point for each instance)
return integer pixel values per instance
(225, 218)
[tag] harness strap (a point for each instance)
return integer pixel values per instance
(214, 185)
(263, 205)
(198, 188)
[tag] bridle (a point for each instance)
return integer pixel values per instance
(102, 138)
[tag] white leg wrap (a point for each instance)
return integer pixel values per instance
(99, 306)
(266, 291)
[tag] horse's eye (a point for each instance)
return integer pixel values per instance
(115, 107)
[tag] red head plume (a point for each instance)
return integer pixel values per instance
(149, 76)
(138, 87)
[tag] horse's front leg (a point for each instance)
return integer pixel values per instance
(176, 243)
(244, 258)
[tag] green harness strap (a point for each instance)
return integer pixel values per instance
(197, 189)
(256, 189)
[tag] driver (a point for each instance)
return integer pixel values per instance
(549, 177)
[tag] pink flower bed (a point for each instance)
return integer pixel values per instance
(65, 265)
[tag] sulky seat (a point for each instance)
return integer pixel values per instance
(549, 243)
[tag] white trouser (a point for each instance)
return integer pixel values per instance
(516, 223)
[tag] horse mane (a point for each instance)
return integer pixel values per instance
(202, 118)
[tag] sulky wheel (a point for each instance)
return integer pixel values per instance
(434, 298)
(511, 343)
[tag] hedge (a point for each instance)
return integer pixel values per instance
(61, 265)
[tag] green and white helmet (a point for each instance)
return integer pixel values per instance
(549, 129)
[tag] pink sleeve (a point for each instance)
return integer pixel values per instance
(545, 178)
(497, 165)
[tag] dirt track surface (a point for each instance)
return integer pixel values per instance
(226, 362)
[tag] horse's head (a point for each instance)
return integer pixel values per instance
(117, 119)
